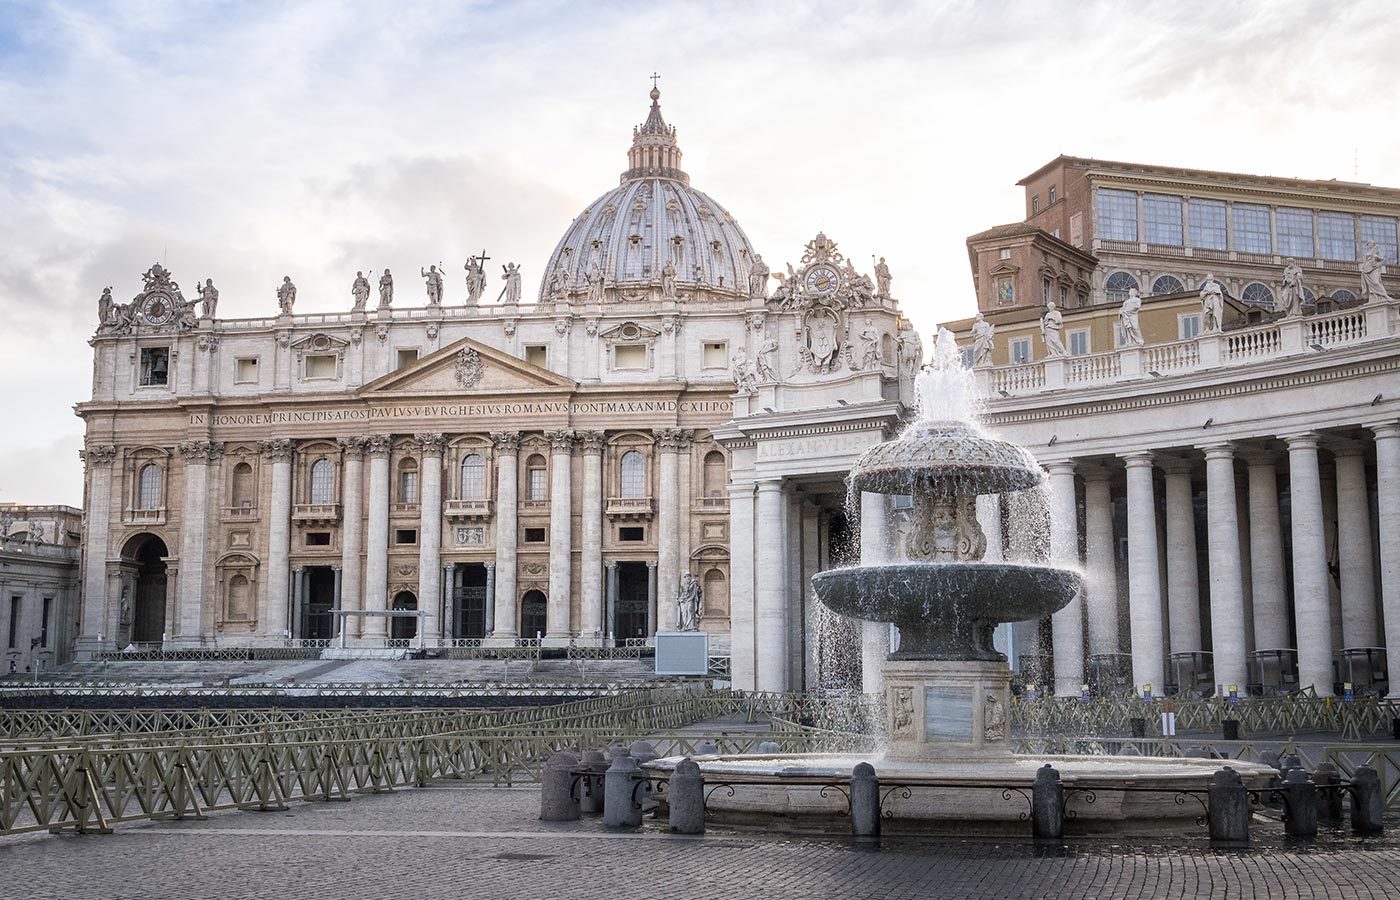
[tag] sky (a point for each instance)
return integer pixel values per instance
(245, 141)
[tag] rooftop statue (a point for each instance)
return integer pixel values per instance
(1372, 266)
(668, 280)
(1291, 297)
(882, 279)
(1128, 319)
(286, 295)
(1212, 305)
(1051, 326)
(510, 272)
(758, 277)
(209, 296)
(559, 283)
(476, 278)
(595, 284)
(433, 284)
(106, 308)
(386, 290)
(982, 334)
(360, 291)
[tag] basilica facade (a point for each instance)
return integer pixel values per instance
(435, 473)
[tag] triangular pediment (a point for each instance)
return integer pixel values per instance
(1005, 268)
(465, 367)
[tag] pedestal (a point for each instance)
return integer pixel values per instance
(946, 709)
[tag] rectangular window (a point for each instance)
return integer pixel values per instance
(1052, 195)
(1044, 291)
(1004, 253)
(318, 539)
(1035, 204)
(1021, 351)
(155, 366)
(631, 356)
(537, 355)
(1252, 228)
(1336, 234)
(245, 371)
(1295, 232)
(535, 535)
(406, 536)
(631, 533)
(1076, 229)
(1188, 327)
(44, 622)
(322, 365)
(1207, 224)
(1117, 215)
(715, 355)
(538, 487)
(1380, 229)
(408, 486)
(14, 620)
(1161, 219)
(407, 357)
(1079, 342)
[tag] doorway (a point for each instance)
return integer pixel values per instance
(317, 620)
(404, 627)
(144, 613)
(533, 615)
(469, 602)
(630, 616)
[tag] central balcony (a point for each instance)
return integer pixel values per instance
(630, 508)
(316, 513)
(469, 509)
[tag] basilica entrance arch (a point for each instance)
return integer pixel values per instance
(141, 616)
(533, 614)
(404, 626)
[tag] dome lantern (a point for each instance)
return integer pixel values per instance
(654, 152)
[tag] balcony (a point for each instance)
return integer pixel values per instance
(146, 516)
(469, 509)
(316, 513)
(246, 513)
(534, 506)
(629, 508)
(404, 508)
(712, 503)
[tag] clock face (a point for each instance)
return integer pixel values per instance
(821, 280)
(157, 309)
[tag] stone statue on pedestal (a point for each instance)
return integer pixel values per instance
(209, 296)
(559, 283)
(688, 599)
(1128, 319)
(386, 290)
(668, 280)
(360, 291)
(1372, 265)
(882, 279)
(982, 333)
(476, 279)
(1051, 326)
(1212, 305)
(742, 371)
(1291, 297)
(766, 364)
(870, 347)
(758, 277)
(595, 284)
(433, 284)
(511, 274)
(286, 295)
(105, 306)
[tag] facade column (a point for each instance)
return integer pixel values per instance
(298, 610)
(1068, 622)
(670, 442)
(337, 622)
(561, 550)
(99, 459)
(651, 598)
(194, 528)
(377, 537)
(591, 561)
(770, 601)
(1266, 575)
(1144, 575)
(1100, 562)
(489, 625)
(430, 448)
(1183, 575)
(1388, 497)
(279, 536)
(352, 536)
(507, 445)
(611, 623)
(1310, 600)
(874, 550)
(1355, 559)
(1227, 619)
(742, 663)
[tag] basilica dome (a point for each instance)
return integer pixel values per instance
(620, 246)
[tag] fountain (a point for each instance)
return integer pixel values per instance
(947, 696)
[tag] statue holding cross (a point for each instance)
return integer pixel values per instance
(476, 277)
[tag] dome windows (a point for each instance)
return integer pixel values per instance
(1167, 284)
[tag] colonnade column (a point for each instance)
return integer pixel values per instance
(279, 535)
(1388, 497)
(1311, 604)
(194, 527)
(1100, 562)
(1144, 574)
(507, 445)
(377, 537)
(1357, 565)
(610, 625)
(1227, 622)
(1266, 575)
(874, 550)
(1183, 575)
(651, 597)
(490, 624)
(352, 537)
(770, 600)
(561, 550)
(742, 663)
(591, 562)
(670, 443)
(1067, 623)
(430, 446)
(99, 459)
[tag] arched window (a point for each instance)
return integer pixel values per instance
(716, 594)
(148, 487)
(239, 595)
(473, 477)
(408, 481)
(1309, 297)
(322, 481)
(1118, 285)
(715, 475)
(536, 478)
(634, 474)
(1256, 294)
(1343, 297)
(1167, 284)
(243, 490)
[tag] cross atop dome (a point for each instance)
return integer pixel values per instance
(654, 152)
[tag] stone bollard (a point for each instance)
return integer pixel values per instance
(1328, 779)
(1269, 758)
(1047, 804)
(686, 796)
(865, 801)
(619, 811)
(1289, 761)
(590, 798)
(768, 748)
(1300, 804)
(557, 803)
(1227, 807)
(706, 748)
(1367, 804)
(643, 752)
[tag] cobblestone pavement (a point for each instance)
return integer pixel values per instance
(465, 841)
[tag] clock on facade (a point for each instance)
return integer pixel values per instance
(821, 280)
(157, 309)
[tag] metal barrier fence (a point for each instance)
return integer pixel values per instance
(1280, 715)
(506, 688)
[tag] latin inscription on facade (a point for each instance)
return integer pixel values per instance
(464, 410)
(818, 447)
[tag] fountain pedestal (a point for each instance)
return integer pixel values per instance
(947, 709)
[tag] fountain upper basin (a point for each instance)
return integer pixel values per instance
(945, 458)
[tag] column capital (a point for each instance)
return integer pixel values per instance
(1061, 467)
(1305, 440)
(1138, 459)
(335, 567)
(506, 441)
(353, 447)
(297, 570)
(561, 440)
(99, 454)
(379, 446)
(651, 564)
(590, 441)
(1342, 447)
(430, 443)
(200, 452)
(1218, 450)
(610, 564)
(1385, 430)
(277, 449)
(767, 485)
(1256, 456)
(674, 438)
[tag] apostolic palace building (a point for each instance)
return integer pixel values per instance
(1207, 364)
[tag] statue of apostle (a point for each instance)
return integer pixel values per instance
(688, 599)
(476, 280)
(511, 274)
(209, 296)
(433, 284)
(105, 305)
(1291, 297)
(758, 277)
(882, 279)
(982, 334)
(286, 295)
(360, 291)
(595, 284)
(1212, 305)
(386, 290)
(1052, 324)
(1128, 319)
(1372, 266)
(668, 280)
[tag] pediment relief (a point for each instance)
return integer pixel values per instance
(629, 332)
(1004, 268)
(319, 343)
(467, 366)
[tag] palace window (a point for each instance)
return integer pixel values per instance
(1021, 351)
(245, 370)
(714, 355)
(1117, 215)
(634, 474)
(1167, 284)
(1252, 228)
(1064, 297)
(320, 365)
(406, 536)
(318, 539)
(630, 356)
(473, 477)
(1044, 291)
(1161, 219)
(1256, 294)
(715, 475)
(408, 481)
(155, 366)
(1380, 229)
(537, 355)
(535, 536)
(1207, 224)
(1035, 204)
(1052, 195)
(1295, 232)
(322, 481)
(1118, 285)
(1004, 253)
(1079, 342)
(243, 490)
(967, 356)
(631, 533)
(536, 478)
(148, 487)
(1336, 232)
(15, 602)
(1188, 327)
